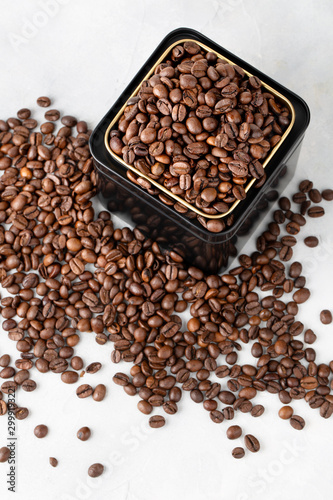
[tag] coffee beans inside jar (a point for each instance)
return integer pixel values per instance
(201, 128)
(67, 272)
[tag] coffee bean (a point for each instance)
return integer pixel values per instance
(99, 392)
(297, 422)
(21, 413)
(234, 432)
(93, 367)
(326, 317)
(252, 443)
(84, 391)
(327, 194)
(121, 379)
(41, 431)
(52, 115)
(3, 407)
(238, 452)
(156, 421)
(286, 412)
(44, 102)
(53, 462)
(96, 470)
(84, 433)
(316, 212)
(311, 241)
(216, 416)
(257, 411)
(4, 454)
(301, 295)
(69, 377)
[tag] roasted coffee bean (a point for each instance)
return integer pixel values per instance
(83, 434)
(41, 431)
(4, 454)
(44, 102)
(311, 241)
(69, 377)
(326, 317)
(286, 412)
(21, 413)
(238, 452)
(156, 421)
(316, 212)
(297, 422)
(216, 416)
(96, 470)
(234, 432)
(93, 367)
(84, 391)
(257, 410)
(99, 392)
(53, 462)
(252, 443)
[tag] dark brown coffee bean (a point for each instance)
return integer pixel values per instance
(252, 443)
(53, 462)
(41, 431)
(99, 392)
(327, 194)
(156, 421)
(316, 212)
(326, 317)
(234, 432)
(83, 433)
(311, 241)
(21, 413)
(93, 367)
(96, 470)
(257, 410)
(84, 391)
(44, 102)
(216, 416)
(4, 454)
(238, 452)
(297, 422)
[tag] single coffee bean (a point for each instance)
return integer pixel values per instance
(44, 102)
(252, 443)
(53, 462)
(21, 413)
(257, 410)
(93, 367)
(69, 377)
(297, 422)
(99, 392)
(156, 421)
(84, 433)
(234, 432)
(327, 194)
(216, 416)
(41, 431)
(238, 452)
(311, 241)
(316, 212)
(286, 412)
(3, 407)
(4, 454)
(96, 470)
(84, 391)
(326, 317)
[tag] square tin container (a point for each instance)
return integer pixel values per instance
(172, 230)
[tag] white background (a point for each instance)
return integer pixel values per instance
(82, 54)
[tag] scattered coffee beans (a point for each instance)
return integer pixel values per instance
(67, 271)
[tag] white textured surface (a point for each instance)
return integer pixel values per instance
(82, 54)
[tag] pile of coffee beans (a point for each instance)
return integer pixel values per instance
(68, 271)
(202, 128)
